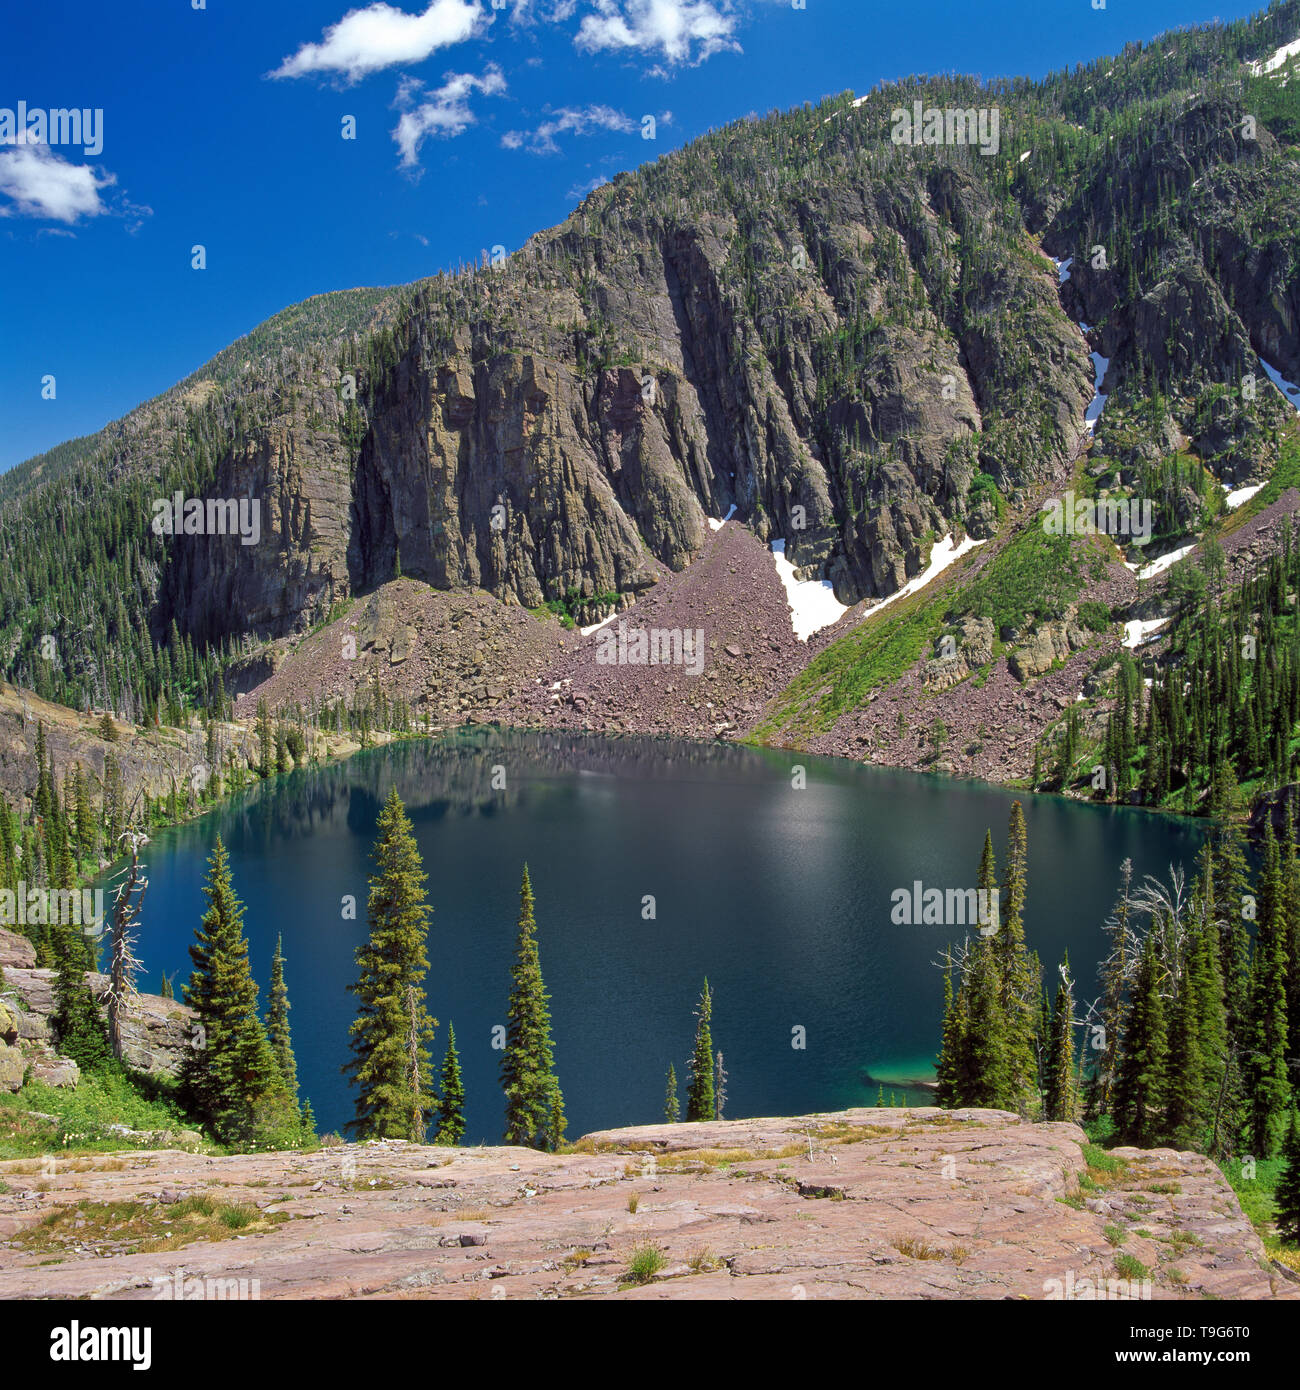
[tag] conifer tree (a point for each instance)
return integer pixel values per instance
(1018, 973)
(985, 1075)
(451, 1101)
(1287, 1196)
(672, 1106)
(701, 1101)
(1060, 1089)
(77, 1022)
(534, 1103)
(231, 1080)
(947, 1070)
(1140, 1085)
(1266, 1068)
(719, 1088)
(277, 1022)
(392, 1095)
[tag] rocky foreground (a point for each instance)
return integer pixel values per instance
(878, 1203)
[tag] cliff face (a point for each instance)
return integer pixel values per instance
(861, 1204)
(861, 347)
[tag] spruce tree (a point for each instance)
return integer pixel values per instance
(1019, 976)
(1287, 1196)
(76, 1019)
(391, 1065)
(534, 1103)
(985, 1074)
(672, 1106)
(1266, 1067)
(1060, 1088)
(1141, 1082)
(277, 1022)
(451, 1101)
(701, 1101)
(230, 1079)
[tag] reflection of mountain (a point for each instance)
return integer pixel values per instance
(456, 775)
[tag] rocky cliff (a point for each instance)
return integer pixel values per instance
(860, 1204)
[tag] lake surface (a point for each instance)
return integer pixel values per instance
(782, 897)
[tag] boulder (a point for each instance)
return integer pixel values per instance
(13, 1067)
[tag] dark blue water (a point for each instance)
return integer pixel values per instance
(782, 897)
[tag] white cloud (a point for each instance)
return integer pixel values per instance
(683, 31)
(382, 36)
(444, 112)
(579, 191)
(568, 120)
(43, 184)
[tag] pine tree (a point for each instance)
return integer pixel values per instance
(672, 1106)
(534, 1103)
(277, 1022)
(1060, 1088)
(76, 1019)
(1287, 1196)
(1266, 1068)
(947, 1069)
(451, 1101)
(231, 1080)
(701, 1100)
(1140, 1086)
(1019, 977)
(719, 1087)
(393, 1096)
(985, 1075)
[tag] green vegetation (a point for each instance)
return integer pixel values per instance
(534, 1103)
(392, 1035)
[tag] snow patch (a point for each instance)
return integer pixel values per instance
(1288, 388)
(942, 554)
(1100, 365)
(718, 525)
(1063, 269)
(813, 604)
(1280, 57)
(1162, 564)
(1137, 632)
(596, 627)
(1243, 494)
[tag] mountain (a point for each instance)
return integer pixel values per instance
(856, 347)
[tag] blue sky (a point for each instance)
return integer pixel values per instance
(477, 123)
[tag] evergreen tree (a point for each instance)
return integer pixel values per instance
(231, 1080)
(1287, 1196)
(451, 1102)
(391, 1064)
(1060, 1089)
(672, 1107)
(277, 1022)
(534, 1104)
(77, 1022)
(701, 1101)
(1019, 978)
(1140, 1085)
(1266, 1069)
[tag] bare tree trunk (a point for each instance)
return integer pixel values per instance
(123, 965)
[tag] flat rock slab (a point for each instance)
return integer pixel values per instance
(868, 1203)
